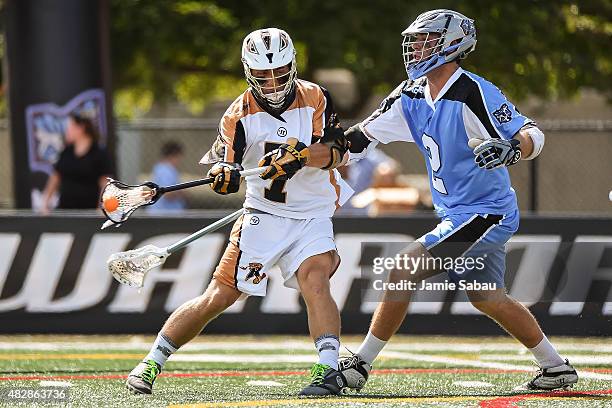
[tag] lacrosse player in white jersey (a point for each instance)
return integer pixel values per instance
(287, 219)
(468, 133)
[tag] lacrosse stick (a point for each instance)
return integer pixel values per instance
(119, 200)
(130, 267)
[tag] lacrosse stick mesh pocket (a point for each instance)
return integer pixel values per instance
(130, 267)
(129, 198)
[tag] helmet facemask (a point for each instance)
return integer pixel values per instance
(420, 47)
(272, 85)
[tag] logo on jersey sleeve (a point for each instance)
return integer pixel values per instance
(503, 114)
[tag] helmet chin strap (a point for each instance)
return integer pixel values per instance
(274, 99)
(265, 104)
(421, 68)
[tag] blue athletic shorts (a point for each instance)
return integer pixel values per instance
(479, 237)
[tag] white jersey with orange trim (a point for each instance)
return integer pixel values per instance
(247, 132)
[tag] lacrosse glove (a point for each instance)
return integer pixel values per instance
(282, 163)
(494, 153)
(227, 177)
(335, 139)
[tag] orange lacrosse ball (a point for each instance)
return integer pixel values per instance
(111, 204)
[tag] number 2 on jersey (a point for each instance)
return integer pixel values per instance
(276, 192)
(434, 161)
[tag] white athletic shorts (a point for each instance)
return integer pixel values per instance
(259, 241)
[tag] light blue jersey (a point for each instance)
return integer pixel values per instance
(467, 107)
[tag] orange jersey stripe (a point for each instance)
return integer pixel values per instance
(309, 94)
(242, 106)
(226, 270)
(332, 180)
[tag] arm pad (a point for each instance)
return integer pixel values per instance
(538, 139)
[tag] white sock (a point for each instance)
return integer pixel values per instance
(546, 354)
(161, 350)
(328, 346)
(370, 348)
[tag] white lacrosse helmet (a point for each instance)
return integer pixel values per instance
(423, 52)
(266, 50)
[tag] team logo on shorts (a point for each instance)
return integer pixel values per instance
(503, 114)
(254, 269)
(282, 132)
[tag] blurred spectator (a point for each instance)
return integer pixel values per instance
(81, 170)
(165, 173)
(359, 175)
(387, 195)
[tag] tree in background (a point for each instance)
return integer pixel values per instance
(189, 50)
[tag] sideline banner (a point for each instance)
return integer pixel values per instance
(57, 61)
(46, 129)
(53, 278)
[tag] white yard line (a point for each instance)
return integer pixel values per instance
(476, 348)
(250, 345)
(245, 358)
(480, 364)
(261, 383)
(472, 384)
(44, 383)
(288, 346)
(574, 359)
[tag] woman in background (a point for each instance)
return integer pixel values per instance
(82, 168)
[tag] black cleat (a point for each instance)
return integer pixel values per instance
(325, 381)
(561, 376)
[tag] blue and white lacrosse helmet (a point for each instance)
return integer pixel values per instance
(435, 38)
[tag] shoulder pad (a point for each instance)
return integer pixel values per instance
(416, 88)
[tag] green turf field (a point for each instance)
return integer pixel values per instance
(247, 371)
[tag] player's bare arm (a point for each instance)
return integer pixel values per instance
(352, 140)
(319, 155)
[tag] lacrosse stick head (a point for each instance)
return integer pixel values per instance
(131, 267)
(119, 200)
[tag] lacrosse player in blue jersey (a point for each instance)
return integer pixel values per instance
(468, 133)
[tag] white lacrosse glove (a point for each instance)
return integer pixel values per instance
(494, 153)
